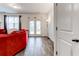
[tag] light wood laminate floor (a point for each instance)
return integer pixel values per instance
(38, 46)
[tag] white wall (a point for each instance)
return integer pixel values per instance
(42, 17)
(25, 20)
(51, 31)
(51, 26)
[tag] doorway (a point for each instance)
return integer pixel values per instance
(35, 28)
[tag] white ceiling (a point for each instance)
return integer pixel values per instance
(25, 7)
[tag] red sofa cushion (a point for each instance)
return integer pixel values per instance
(2, 31)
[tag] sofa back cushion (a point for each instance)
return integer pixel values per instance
(9, 31)
(2, 31)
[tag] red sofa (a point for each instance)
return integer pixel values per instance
(2, 31)
(10, 44)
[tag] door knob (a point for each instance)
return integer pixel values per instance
(75, 40)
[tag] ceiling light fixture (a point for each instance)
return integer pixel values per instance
(15, 6)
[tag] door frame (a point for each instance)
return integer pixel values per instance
(55, 29)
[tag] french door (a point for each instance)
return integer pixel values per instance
(35, 27)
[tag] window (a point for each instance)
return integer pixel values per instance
(1, 24)
(12, 22)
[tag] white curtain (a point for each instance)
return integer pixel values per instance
(12, 23)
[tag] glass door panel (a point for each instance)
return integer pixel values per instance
(38, 27)
(32, 27)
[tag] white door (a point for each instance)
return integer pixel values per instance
(64, 48)
(64, 29)
(67, 22)
(75, 49)
(35, 28)
(76, 28)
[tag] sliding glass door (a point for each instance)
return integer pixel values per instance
(35, 27)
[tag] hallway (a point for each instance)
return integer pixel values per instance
(38, 46)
